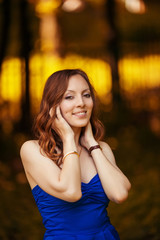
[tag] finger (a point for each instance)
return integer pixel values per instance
(58, 113)
(51, 112)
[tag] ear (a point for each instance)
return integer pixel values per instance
(51, 112)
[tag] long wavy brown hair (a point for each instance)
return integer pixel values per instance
(55, 87)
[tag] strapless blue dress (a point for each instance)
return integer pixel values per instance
(86, 219)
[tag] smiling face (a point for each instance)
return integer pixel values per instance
(76, 105)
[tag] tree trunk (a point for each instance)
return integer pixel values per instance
(6, 13)
(25, 53)
(113, 50)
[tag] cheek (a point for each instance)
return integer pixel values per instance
(65, 107)
(91, 105)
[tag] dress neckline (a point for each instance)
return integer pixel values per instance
(90, 180)
(83, 183)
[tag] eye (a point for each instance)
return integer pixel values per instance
(69, 97)
(87, 95)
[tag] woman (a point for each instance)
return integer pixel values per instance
(72, 174)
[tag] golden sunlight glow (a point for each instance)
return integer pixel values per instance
(135, 6)
(48, 26)
(42, 66)
(10, 89)
(47, 6)
(49, 34)
(139, 73)
(135, 74)
(72, 5)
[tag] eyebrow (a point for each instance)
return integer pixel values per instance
(87, 89)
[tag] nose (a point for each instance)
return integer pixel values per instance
(80, 101)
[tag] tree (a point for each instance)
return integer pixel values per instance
(25, 53)
(113, 50)
(5, 28)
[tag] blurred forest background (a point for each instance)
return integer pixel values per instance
(117, 42)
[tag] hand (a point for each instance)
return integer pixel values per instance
(87, 139)
(62, 127)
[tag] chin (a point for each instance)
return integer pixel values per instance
(79, 125)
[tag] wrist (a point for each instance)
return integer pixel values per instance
(69, 153)
(92, 143)
(92, 148)
(69, 145)
(68, 139)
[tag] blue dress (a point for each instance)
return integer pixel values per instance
(86, 219)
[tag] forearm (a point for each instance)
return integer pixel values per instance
(114, 182)
(70, 175)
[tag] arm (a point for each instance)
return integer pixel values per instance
(114, 182)
(64, 184)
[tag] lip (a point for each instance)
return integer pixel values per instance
(84, 111)
(80, 114)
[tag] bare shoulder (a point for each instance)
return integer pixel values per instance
(107, 151)
(28, 147)
(36, 165)
(32, 155)
(30, 152)
(104, 145)
(29, 143)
